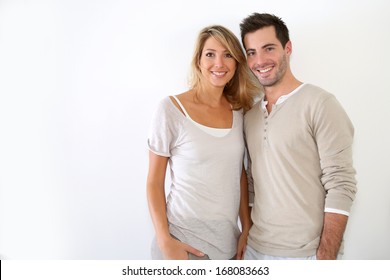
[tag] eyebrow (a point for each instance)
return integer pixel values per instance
(215, 50)
(268, 45)
(263, 47)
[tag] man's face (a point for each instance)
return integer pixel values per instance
(266, 56)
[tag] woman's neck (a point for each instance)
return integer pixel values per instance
(211, 96)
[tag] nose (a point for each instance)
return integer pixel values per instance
(219, 61)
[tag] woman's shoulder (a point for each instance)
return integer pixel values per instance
(180, 100)
(168, 108)
(183, 97)
(166, 103)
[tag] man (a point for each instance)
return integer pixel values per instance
(299, 140)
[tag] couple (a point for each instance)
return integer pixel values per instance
(299, 140)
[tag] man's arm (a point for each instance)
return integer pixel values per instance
(332, 236)
(334, 136)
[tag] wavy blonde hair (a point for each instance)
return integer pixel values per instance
(243, 87)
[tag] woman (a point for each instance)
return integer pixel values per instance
(200, 134)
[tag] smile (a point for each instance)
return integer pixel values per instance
(218, 74)
(265, 70)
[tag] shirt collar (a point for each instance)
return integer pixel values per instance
(283, 98)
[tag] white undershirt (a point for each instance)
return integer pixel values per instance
(282, 98)
(217, 132)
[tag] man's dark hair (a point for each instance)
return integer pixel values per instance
(257, 21)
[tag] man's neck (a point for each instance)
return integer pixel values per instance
(273, 93)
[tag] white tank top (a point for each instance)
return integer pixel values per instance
(217, 132)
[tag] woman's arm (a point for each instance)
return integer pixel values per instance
(244, 213)
(169, 246)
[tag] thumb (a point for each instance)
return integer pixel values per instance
(193, 251)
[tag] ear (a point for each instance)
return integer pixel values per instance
(288, 48)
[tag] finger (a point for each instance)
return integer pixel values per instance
(241, 253)
(194, 251)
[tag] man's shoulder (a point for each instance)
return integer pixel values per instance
(254, 110)
(310, 90)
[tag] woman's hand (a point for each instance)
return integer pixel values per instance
(174, 249)
(241, 246)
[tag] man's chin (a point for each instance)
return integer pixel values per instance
(267, 83)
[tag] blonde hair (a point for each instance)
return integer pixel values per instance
(243, 87)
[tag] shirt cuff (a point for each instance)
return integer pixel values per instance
(336, 211)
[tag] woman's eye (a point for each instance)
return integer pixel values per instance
(228, 55)
(209, 54)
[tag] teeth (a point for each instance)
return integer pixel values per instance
(219, 73)
(265, 70)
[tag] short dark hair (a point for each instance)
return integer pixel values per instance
(258, 21)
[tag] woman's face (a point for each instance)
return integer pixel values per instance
(216, 63)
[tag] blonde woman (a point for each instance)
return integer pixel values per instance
(199, 133)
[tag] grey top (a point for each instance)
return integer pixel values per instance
(301, 163)
(204, 196)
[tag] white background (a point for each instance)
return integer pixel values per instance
(79, 80)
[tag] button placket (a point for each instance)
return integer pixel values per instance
(265, 125)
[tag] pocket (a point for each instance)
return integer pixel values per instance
(196, 258)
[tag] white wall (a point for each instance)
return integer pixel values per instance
(79, 80)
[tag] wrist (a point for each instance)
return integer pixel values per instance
(245, 232)
(163, 239)
(245, 227)
(324, 253)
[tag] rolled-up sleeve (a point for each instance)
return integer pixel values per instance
(334, 135)
(163, 129)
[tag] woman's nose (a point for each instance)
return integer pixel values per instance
(219, 61)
